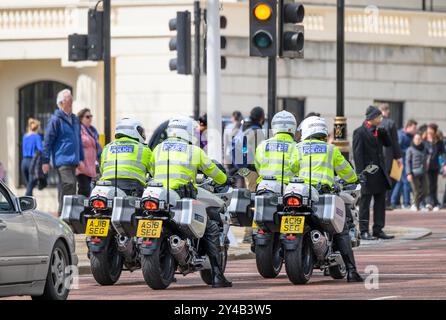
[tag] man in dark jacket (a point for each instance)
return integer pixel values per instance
(394, 151)
(63, 144)
(368, 142)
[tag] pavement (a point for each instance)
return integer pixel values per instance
(411, 266)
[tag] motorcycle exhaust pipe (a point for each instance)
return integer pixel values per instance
(320, 246)
(179, 249)
(125, 247)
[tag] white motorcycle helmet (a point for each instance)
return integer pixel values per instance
(184, 128)
(284, 122)
(312, 126)
(131, 128)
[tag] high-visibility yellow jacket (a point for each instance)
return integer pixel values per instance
(271, 153)
(326, 159)
(133, 160)
(184, 162)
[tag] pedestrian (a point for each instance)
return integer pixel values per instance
(63, 145)
(31, 144)
(405, 137)
(436, 151)
(392, 152)
(252, 129)
(368, 142)
(230, 132)
(92, 152)
(416, 166)
(203, 127)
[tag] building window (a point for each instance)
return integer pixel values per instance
(396, 111)
(294, 105)
(37, 100)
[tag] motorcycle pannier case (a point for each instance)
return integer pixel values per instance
(265, 212)
(191, 217)
(73, 213)
(331, 211)
(123, 216)
(240, 208)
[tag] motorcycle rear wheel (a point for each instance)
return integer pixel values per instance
(106, 266)
(268, 259)
(158, 268)
(299, 262)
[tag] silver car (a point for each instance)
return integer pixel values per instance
(37, 251)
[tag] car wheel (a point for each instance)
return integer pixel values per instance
(55, 288)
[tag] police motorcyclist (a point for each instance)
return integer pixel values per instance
(127, 160)
(272, 152)
(177, 159)
(326, 159)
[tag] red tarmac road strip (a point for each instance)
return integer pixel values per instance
(406, 269)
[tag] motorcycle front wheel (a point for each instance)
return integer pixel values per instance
(299, 262)
(268, 259)
(158, 268)
(106, 266)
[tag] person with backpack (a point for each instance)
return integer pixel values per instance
(244, 145)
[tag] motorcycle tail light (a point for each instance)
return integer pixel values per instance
(293, 202)
(98, 204)
(150, 205)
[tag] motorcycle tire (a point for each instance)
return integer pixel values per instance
(268, 259)
(299, 262)
(106, 266)
(206, 275)
(337, 272)
(159, 267)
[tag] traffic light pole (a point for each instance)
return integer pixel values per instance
(107, 71)
(272, 90)
(197, 39)
(340, 122)
(213, 80)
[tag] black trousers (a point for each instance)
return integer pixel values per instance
(83, 185)
(379, 211)
(432, 198)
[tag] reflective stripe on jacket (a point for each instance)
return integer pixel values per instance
(184, 162)
(326, 159)
(271, 153)
(132, 157)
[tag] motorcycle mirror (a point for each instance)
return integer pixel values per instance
(371, 169)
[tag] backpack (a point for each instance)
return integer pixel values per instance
(241, 157)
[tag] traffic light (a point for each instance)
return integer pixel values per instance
(291, 31)
(223, 24)
(83, 47)
(223, 42)
(95, 36)
(181, 43)
(77, 47)
(262, 28)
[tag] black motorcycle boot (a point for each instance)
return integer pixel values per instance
(218, 278)
(344, 246)
(211, 238)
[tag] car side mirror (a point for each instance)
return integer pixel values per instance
(27, 203)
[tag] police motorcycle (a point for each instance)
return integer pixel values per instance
(109, 251)
(168, 229)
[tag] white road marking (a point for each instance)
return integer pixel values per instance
(402, 255)
(385, 298)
